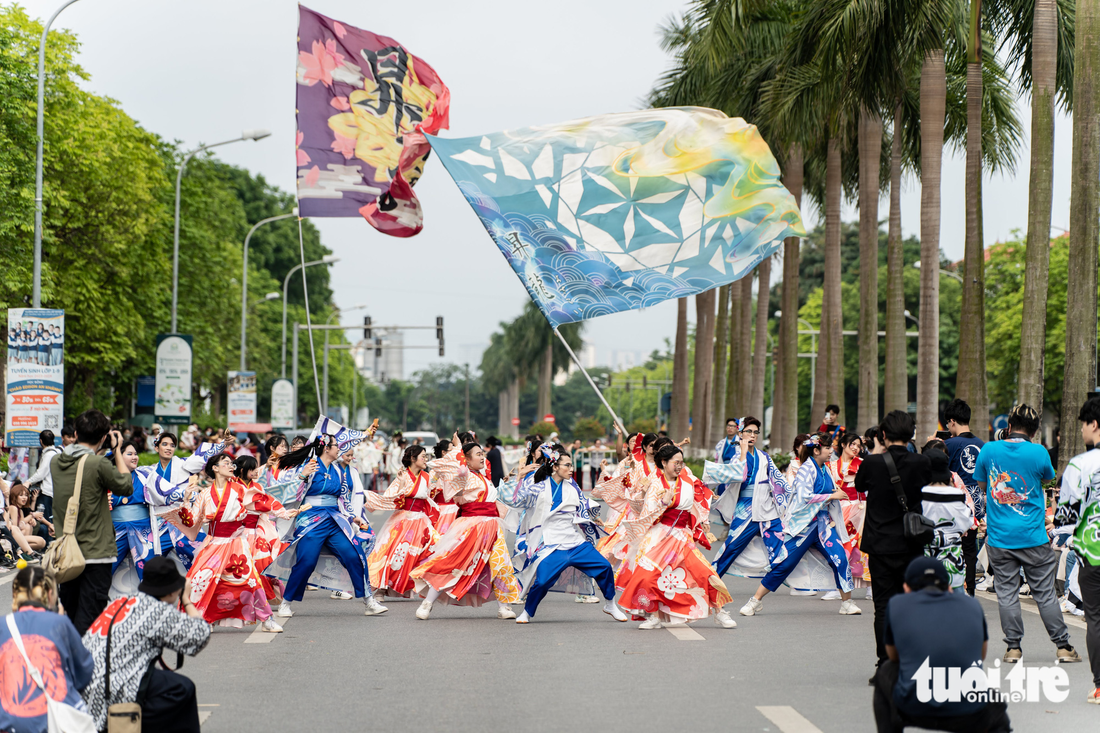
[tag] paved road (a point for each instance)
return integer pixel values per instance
(799, 667)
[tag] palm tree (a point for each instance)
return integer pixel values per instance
(734, 401)
(678, 417)
(721, 353)
(745, 344)
(787, 371)
(760, 349)
(704, 363)
(1080, 373)
(535, 349)
(895, 392)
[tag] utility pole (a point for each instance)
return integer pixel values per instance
(467, 423)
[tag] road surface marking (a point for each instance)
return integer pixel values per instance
(685, 633)
(259, 636)
(787, 719)
(8, 578)
(204, 716)
(1030, 606)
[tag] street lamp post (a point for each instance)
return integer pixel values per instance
(326, 260)
(244, 278)
(911, 318)
(245, 135)
(36, 294)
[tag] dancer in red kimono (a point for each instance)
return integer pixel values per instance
(666, 578)
(409, 534)
(264, 538)
(471, 561)
(446, 509)
(226, 585)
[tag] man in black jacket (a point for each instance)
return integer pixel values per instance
(889, 551)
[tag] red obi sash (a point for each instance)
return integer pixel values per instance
(251, 520)
(478, 509)
(416, 505)
(678, 518)
(225, 529)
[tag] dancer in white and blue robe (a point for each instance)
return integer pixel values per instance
(557, 533)
(727, 449)
(810, 518)
(330, 522)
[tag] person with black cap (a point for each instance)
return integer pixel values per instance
(930, 628)
(140, 627)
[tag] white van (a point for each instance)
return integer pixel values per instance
(427, 439)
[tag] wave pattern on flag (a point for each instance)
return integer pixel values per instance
(346, 438)
(623, 211)
(364, 103)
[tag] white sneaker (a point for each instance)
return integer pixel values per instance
(581, 598)
(523, 618)
(752, 607)
(339, 595)
(374, 608)
(986, 585)
(723, 619)
(311, 586)
(849, 608)
(612, 609)
(833, 595)
(868, 596)
(425, 610)
(270, 625)
(1070, 608)
(652, 621)
(284, 610)
(505, 611)
(803, 592)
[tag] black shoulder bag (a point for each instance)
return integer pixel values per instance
(915, 525)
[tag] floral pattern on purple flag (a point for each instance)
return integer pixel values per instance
(364, 104)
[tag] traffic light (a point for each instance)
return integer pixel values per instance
(366, 327)
(378, 346)
(439, 332)
(441, 348)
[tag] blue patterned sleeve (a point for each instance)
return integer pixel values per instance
(521, 494)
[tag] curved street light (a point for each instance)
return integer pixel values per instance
(326, 260)
(245, 135)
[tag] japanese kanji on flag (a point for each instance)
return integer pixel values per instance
(363, 104)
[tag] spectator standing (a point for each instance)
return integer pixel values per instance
(85, 596)
(576, 455)
(68, 436)
(42, 475)
(829, 425)
(1016, 531)
(144, 625)
(52, 646)
(597, 454)
(493, 458)
(889, 551)
(1079, 506)
(963, 448)
(930, 625)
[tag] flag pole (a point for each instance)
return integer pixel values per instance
(599, 394)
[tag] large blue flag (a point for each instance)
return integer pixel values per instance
(626, 210)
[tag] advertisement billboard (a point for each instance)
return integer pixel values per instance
(35, 374)
(172, 400)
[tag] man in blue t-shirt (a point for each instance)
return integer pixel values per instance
(927, 628)
(962, 452)
(1014, 469)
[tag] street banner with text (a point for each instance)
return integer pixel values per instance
(172, 398)
(35, 375)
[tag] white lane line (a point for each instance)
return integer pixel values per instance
(685, 633)
(1030, 606)
(8, 578)
(259, 636)
(204, 715)
(787, 719)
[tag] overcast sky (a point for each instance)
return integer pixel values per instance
(200, 71)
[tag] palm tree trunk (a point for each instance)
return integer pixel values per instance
(895, 395)
(504, 422)
(833, 321)
(513, 407)
(870, 155)
(1080, 374)
(546, 377)
(678, 418)
(704, 362)
(745, 345)
(734, 404)
(933, 101)
(1033, 329)
(970, 382)
(788, 324)
(760, 348)
(721, 357)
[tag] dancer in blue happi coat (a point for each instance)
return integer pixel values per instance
(330, 521)
(751, 477)
(557, 533)
(809, 517)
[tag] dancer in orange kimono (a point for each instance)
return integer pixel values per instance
(666, 578)
(624, 492)
(408, 535)
(471, 562)
(446, 509)
(264, 537)
(843, 472)
(226, 585)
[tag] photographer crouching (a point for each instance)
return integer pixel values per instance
(136, 630)
(930, 628)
